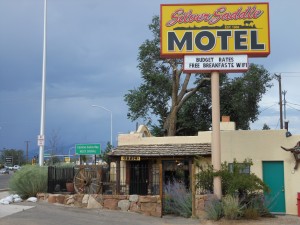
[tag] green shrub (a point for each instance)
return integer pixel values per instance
(233, 181)
(205, 177)
(29, 180)
(231, 207)
(251, 213)
(257, 201)
(213, 208)
(178, 200)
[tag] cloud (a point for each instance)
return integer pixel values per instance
(92, 50)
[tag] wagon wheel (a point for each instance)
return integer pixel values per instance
(87, 180)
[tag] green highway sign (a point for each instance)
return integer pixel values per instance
(87, 149)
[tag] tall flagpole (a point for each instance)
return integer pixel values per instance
(41, 138)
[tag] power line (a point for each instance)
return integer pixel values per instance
(293, 107)
(268, 107)
(286, 72)
(293, 103)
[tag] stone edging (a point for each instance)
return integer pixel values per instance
(146, 205)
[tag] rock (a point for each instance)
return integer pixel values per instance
(134, 207)
(147, 199)
(60, 199)
(70, 200)
(85, 199)
(52, 198)
(42, 196)
(111, 204)
(124, 205)
(93, 204)
(31, 199)
(148, 207)
(133, 198)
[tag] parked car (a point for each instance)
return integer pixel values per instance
(4, 171)
(15, 167)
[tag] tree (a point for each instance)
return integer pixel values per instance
(104, 154)
(181, 102)
(165, 88)
(266, 127)
(54, 145)
(17, 156)
(239, 98)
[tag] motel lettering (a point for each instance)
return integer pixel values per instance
(207, 40)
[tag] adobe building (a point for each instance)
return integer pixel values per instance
(163, 156)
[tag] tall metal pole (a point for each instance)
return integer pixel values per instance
(43, 104)
(216, 137)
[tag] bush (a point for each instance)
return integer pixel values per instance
(205, 177)
(257, 202)
(213, 208)
(29, 180)
(178, 200)
(231, 207)
(251, 213)
(233, 181)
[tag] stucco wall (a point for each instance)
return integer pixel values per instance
(138, 139)
(265, 146)
(258, 145)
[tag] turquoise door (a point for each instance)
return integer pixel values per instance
(273, 176)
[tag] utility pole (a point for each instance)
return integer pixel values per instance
(278, 77)
(27, 144)
(284, 104)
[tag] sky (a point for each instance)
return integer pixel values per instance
(92, 49)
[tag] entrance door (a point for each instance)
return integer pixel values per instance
(139, 178)
(273, 176)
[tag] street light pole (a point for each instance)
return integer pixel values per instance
(43, 104)
(110, 119)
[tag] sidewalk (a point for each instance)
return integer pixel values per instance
(6, 210)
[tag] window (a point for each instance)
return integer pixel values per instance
(243, 168)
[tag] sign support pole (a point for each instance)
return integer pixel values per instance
(43, 104)
(216, 140)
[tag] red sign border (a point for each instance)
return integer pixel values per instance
(250, 55)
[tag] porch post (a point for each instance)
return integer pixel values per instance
(161, 185)
(118, 177)
(192, 185)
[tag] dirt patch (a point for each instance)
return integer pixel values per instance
(278, 220)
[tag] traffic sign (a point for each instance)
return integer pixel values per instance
(9, 160)
(88, 149)
(41, 140)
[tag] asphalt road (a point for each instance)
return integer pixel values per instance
(50, 214)
(4, 178)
